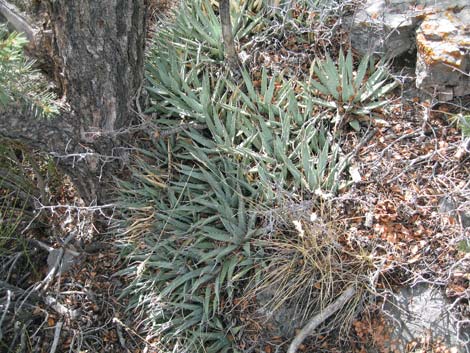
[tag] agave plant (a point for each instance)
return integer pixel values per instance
(339, 87)
(191, 211)
(19, 82)
(275, 133)
(273, 129)
(195, 243)
(196, 30)
(186, 48)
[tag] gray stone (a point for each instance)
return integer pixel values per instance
(282, 321)
(68, 259)
(384, 27)
(438, 30)
(449, 205)
(422, 311)
(443, 55)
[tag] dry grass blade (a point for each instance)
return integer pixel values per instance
(306, 264)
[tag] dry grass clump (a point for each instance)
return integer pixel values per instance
(307, 265)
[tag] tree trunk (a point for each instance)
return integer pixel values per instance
(100, 45)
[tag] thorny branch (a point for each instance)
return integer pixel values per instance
(18, 302)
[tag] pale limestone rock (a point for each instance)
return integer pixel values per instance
(438, 30)
(385, 27)
(443, 54)
(420, 312)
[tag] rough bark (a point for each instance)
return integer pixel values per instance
(101, 44)
(100, 48)
(227, 35)
(40, 134)
(60, 138)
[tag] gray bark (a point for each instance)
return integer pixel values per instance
(100, 52)
(231, 54)
(60, 138)
(101, 44)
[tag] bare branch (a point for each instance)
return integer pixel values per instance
(58, 328)
(321, 317)
(61, 309)
(227, 36)
(5, 310)
(18, 20)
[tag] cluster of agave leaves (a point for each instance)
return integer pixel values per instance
(192, 208)
(19, 81)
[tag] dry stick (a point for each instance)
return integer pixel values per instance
(55, 343)
(122, 341)
(60, 308)
(365, 140)
(321, 317)
(5, 310)
(356, 150)
(37, 173)
(128, 329)
(44, 284)
(17, 20)
(227, 36)
(405, 136)
(157, 133)
(12, 264)
(167, 132)
(415, 161)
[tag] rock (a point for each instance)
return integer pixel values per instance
(384, 27)
(421, 312)
(68, 259)
(282, 321)
(439, 31)
(443, 53)
(448, 205)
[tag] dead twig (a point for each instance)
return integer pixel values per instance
(5, 310)
(61, 309)
(122, 341)
(17, 20)
(427, 157)
(178, 129)
(55, 343)
(12, 265)
(231, 54)
(129, 330)
(363, 142)
(402, 137)
(320, 318)
(44, 284)
(355, 151)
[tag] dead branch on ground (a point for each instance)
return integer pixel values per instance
(320, 318)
